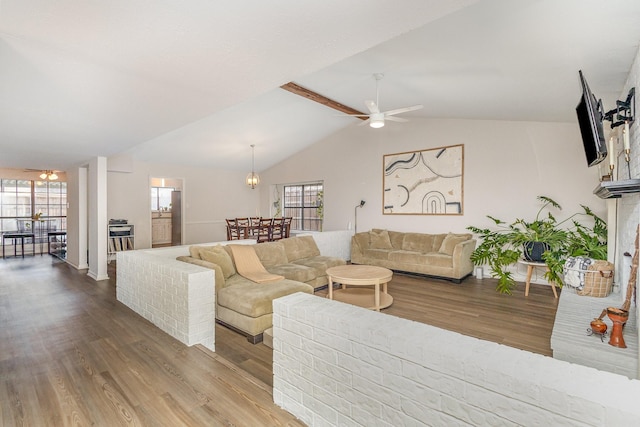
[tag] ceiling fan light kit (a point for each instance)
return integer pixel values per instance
(50, 175)
(376, 120)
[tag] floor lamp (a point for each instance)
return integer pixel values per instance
(362, 202)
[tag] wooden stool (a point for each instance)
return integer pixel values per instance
(530, 266)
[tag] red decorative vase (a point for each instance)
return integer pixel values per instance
(619, 317)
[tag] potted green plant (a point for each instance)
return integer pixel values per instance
(508, 243)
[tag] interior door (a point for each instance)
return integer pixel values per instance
(176, 218)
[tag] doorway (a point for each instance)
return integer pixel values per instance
(166, 212)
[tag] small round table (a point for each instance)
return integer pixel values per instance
(530, 266)
(361, 275)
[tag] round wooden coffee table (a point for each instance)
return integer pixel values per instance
(361, 275)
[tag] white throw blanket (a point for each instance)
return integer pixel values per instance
(574, 270)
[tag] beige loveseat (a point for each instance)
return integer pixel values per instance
(439, 255)
(246, 306)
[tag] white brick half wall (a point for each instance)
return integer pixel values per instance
(338, 364)
(177, 297)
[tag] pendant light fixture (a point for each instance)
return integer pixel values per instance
(253, 179)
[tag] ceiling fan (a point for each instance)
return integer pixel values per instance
(49, 175)
(376, 117)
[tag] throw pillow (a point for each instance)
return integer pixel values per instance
(380, 239)
(217, 255)
(450, 241)
(194, 251)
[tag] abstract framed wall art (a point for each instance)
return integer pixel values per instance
(427, 182)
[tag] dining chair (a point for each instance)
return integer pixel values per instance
(233, 231)
(243, 226)
(287, 226)
(254, 222)
(264, 230)
(277, 230)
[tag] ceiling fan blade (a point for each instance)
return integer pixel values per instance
(364, 122)
(403, 110)
(372, 106)
(395, 119)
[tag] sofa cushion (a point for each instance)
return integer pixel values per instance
(292, 271)
(320, 264)
(271, 253)
(396, 238)
(377, 253)
(194, 251)
(255, 299)
(362, 240)
(380, 239)
(300, 247)
(419, 242)
(410, 257)
(451, 240)
(218, 255)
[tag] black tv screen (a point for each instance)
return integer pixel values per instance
(590, 115)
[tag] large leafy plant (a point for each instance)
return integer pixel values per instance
(503, 245)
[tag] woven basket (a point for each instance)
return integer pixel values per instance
(598, 280)
(595, 281)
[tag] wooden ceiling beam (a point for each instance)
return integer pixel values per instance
(316, 97)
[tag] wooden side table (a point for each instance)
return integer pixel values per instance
(530, 266)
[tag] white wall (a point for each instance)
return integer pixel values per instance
(209, 196)
(506, 166)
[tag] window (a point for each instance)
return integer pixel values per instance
(305, 204)
(21, 199)
(161, 197)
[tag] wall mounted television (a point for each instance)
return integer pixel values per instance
(590, 117)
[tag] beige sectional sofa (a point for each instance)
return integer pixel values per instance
(440, 255)
(246, 306)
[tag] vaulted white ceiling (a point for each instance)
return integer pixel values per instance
(196, 82)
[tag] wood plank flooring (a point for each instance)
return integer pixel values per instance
(70, 354)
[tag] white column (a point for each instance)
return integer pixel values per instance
(97, 214)
(77, 218)
(83, 218)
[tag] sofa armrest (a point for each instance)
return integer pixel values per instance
(359, 243)
(462, 264)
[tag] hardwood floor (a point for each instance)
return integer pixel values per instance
(474, 308)
(70, 354)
